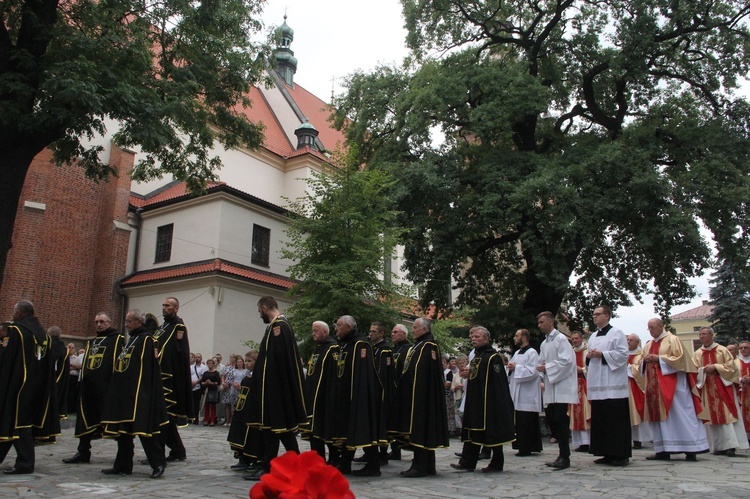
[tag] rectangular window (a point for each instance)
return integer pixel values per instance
(164, 243)
(261, 245)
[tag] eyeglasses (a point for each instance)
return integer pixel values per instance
(598, 314)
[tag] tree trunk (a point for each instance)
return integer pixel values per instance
(15, 160)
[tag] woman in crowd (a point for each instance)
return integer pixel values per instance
(232, 378)
(457, 387)
(210, 381)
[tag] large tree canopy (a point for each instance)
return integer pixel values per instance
(583, 145)
(173, 74)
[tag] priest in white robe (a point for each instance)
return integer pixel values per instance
(526, 392)
(669, 406)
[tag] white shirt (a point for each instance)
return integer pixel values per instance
(195, 375)
(560, 381)
(525, 389)
(610, 380)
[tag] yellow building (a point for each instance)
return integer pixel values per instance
(687, 324)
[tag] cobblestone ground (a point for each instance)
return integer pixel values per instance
(206, 473)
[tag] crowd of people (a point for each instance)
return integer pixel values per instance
(604, 396)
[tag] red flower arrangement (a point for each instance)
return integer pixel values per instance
(301, 476)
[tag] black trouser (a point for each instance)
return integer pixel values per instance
(396, 450)
(24, 446)
(126, 448)
(372, 458)
(271, 445)
(170, 437)
(559, 422)
(197, 394)
(319, 446)
(84, 444)
(470, 456)
(424, 461)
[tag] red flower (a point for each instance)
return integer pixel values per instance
(301, 476)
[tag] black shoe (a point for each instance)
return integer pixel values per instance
(392, 456)
(240, 466)
(345, 470)
(17, 471)
(255, 476)
(360, 459)
(603, 460)
(690, 456)
(620, 462)
(366, 472)
(659, 456)
(582, 448)
(412, 473)
(145, 461)
(492, 469)
(458, 454)
(560, 464)
(158, 471)
(485, 455)
(115, 471)
(172, 459)
(522, 454)
(460, 467)
(383, 462)
(730, 453)
(77, 458)
(637, 444)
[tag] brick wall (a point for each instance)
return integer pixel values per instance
(67, 257)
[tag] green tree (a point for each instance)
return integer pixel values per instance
(340, 236)
(583, 144)
(171, 74)
(730, 295)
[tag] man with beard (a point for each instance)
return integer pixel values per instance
(135, 401)
(717, 372)
(400, 348)
(580, 413)
(320, 393)
(526, 392)
(96, 373)
(607, 360)
(488, 412)
(359, 424)
(27, 391)
(639, 429)
(276, 401)
(669, 404)
(422, 419)
(174, 361)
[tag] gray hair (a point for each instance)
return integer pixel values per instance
(426, 323)
(138, 315)
(401, 328)
(349, 320)
(323, 325)
(105, 314)
(483, 329)
(25, 308)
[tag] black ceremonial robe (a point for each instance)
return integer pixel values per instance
(421, 419)
(359, 395)
(488, 410)
(399, 350)
(276, 398)
(61, 358)
(135, 398)
(320, 391)
(27, 382)
(96, 373)
(387, 374)
(243, 438)
(174, 363)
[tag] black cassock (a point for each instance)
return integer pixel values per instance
(488, 410)
(96, 373)
(28, 397)
(359, 396)
(276, 398)
(420, 417)
(135, 398)
(387, 374)
(174, 363)
(244, 439)
(320, 391)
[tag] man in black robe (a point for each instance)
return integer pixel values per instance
(244, 440)
(359, 423)
(96, 373)
(386, 370)
(320, 393)
(400, 348)
(27, 387)
(422, 418)
(276, 399)
(174, 362)
(135, 401)
(61, 358)
(488, 411)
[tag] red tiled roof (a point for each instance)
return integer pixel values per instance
(171, 192)
(318, 112)
(216, 266)
(703, 311)
(260, 112)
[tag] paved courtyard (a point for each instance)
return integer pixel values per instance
(206, 474)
